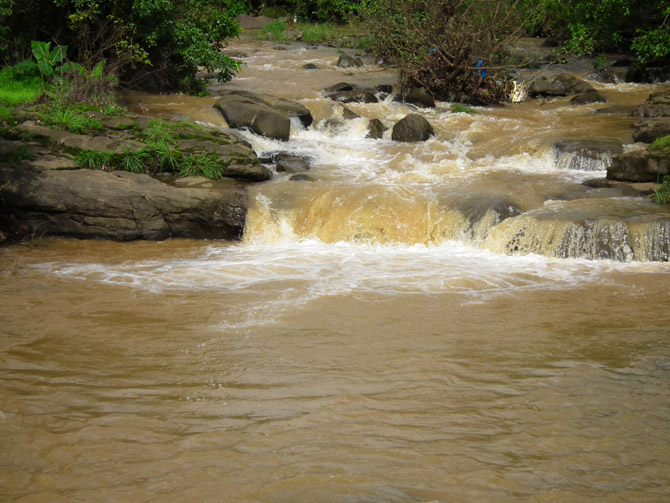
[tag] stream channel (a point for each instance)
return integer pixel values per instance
(457, 320)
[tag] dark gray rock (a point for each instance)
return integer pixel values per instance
(604, 76)
(347, 61)
(376, 129)
(289, 163)
(247, 22)
(300, 178)
(562, 84)
(649, 130)
(413, 127)
(118, 205)
(341, 87)
(657, 105)
(263, 114)
(310, 66)
(355, 96)
(418, 96)
(588, 97)
(639, 166)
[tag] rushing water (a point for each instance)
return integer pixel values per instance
(375, 338)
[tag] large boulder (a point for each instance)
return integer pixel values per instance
(248, 22)
(412, 128)
(562, 84)
(649, 130)
(418, 96)
(347, 61)
(263, 114)
(657, 105)
(117, 205)
(639, 166)
(376, 129)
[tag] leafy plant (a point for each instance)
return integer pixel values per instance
(660, 145)
(90, 159)
(662, 194)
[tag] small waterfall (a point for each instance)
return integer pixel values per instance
(570, 156)
(576, 229)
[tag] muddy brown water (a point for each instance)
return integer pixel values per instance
(372, 339)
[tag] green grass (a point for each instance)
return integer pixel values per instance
(134, 161)
(661, 194)
(68, 119)
(89, 159)
(275, 31)
(206, 165)
(661, 145)
(461, 108)
(16, 91)
(158, 132)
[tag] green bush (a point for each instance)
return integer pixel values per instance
(661, 145)
(275, 31)
(157, 44)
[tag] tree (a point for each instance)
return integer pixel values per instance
(450, 47)
(149, 43)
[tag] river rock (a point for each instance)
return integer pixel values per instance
(355, 96)
(376, 129)
(582, 155)
(310, 66)
(562, 84)
(604, 76)
(247, 22)
(639, 166)
(263, 114)
(118, 205)
(347, 61)
(418, 96)
(588, 97)
(412, 128)
(289, 163)
(649, 130)
(657, 105)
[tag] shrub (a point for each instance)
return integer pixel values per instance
(275, 31)
(439, 44)
(662, 194)
(16, 89)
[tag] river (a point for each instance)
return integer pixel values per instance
(381, 334)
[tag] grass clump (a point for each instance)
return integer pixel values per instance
(90, 159)
(461, 108)
(206, 165)
(275, 31)
(134, 161)
(69, 119)
(661, 194)
(660, 145)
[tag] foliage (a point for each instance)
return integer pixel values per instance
(90, 159)
(438, 44)
(661, 194)
(68, 119)
(275, 31)
(16, 89)
(131, 160)
(206, 165)
(155, 43)
(325, 10)
(660, 145)
(461, 108)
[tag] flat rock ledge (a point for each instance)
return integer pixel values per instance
(44, 192)
(118, 205)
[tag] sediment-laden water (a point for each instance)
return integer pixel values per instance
(452, 321)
